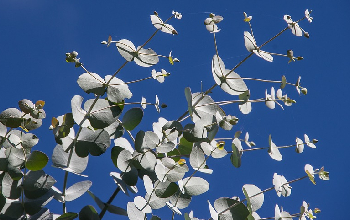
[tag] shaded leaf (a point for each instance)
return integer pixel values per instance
(68, 216)
(37, 160)
(37, 183)
(93, 142)
(88, 213)
(236, 153)
(123, 186)
(165, 189)
(132, 118)
(103, 113)
(236, 210)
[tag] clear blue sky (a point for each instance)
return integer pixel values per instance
(35, 35)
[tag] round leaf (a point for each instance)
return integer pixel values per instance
(37, 160)
(132, 118)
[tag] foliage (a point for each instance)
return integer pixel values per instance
(161, 158)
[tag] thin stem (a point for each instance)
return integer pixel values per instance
(64, 190)
(102, 213)
(134, 81)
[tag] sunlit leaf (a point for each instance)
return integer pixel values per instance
(142, 205)
(281, 185)
(79, 114)
(159, 24)
(92, 83)
(195, 186)
(77, 190)
(126, 49)
(146, 57)
(273, 150)
(60, 159)
(254, 196)
(228, 80)
(134, 213)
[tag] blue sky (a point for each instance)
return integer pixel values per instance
(35, 35)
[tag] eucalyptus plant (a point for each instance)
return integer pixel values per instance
(165, 160)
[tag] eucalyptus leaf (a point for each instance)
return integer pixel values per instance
(88, 213)
(12, 209)
(132, 118)
(195, 186)
(146, 140)
(79, 114)
(10, 188)
(12, 118)
(60, 159)
(156, 202)
(15, 156)
(181, 200)
(92, 83)
(77, 190)
(68, 216)
(142, 205)
(115, 130)
(205, 108)
(33, 206)
(228, 80)
(37, 160)
(146, 57)
(130, 178)
(197, 158)
(165, 189)
(235, 209)
(126, 49)
(26, 105)
(117, 90)
(37, 183)
(148, 160)
(134, 213)
(96, 142)
(236, 153)
(254, 196)
(273, 150)
(103, 112)
(123, 186)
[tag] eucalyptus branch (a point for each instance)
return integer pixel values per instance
(204, 162)
(103, 211)
(266, 190)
